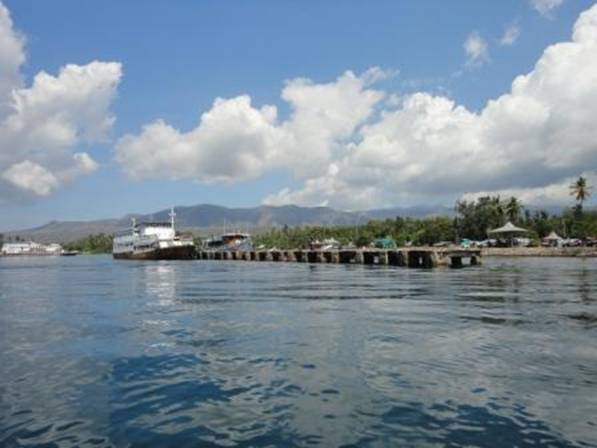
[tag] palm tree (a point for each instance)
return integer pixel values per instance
(513, 209)
(581, 192)
(498, 210)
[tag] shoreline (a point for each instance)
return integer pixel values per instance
(566, 252)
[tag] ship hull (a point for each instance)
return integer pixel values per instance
(169, 253)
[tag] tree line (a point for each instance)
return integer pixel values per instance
(92, 244)
(472, 220)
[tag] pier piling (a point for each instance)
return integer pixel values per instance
(411, 257)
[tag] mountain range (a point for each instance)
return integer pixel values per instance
(208, 219)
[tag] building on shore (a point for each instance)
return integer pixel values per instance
(30, 248)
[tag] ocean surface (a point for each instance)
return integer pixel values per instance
(96, 352)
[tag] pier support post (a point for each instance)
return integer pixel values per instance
(359, 257)
(396, 258)
(456, 262)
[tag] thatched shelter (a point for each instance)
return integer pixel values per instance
(553, 240)
(508, 232)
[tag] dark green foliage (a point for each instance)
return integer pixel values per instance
(473, 220)
(401, 230)
(92, 244)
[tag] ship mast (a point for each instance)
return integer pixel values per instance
(172, 215)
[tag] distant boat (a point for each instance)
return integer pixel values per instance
(152, 241)
(69, 253)
(233, 241)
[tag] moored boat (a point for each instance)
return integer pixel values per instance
(232, 241)
(153, 241)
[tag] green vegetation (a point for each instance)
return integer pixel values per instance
(92, 244)
(581, 192)
(473, 220)
(401, 230)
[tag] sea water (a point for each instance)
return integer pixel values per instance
(96, 352)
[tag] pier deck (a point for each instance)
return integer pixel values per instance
(412, 257)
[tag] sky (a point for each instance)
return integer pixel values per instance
(112, 107)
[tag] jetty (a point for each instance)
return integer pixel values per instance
(410, 257)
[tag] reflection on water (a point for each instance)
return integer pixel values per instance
(101, 353)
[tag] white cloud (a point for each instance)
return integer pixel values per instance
(355, 150)
(538, 135)
(31, 176)
(476, 50)
(235, 141)
(511, 35)
(546, 7)
(40, 125)
(12, 55)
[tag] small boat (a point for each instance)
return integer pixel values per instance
(233, 241)
(69, 253)
(153, 241)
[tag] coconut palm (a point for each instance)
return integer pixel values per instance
(513, 209)
(580, 190)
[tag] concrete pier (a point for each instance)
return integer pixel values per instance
(411, 257)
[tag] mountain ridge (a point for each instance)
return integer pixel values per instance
(212, 218)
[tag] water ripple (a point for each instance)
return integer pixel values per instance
(102, 353)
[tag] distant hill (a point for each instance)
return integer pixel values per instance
(207, 218)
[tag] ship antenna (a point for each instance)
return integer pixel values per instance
(172, 215)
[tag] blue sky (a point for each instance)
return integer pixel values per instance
(178, 57)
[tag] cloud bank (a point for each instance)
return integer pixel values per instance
(353, 149)
(235, 141)
(41, 125)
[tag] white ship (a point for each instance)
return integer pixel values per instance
(152, 241)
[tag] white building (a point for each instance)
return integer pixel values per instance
(30, 248)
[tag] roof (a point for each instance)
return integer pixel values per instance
(553, 236)
(509, 228)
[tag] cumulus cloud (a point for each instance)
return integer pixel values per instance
(235, 141)
(40, 125)
(539, 134)
(546, 7)
(355, 146)
(11, 57)
(31, 176)
(511, 35)
(476, 50)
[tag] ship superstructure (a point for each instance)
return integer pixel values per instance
(153, 241)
